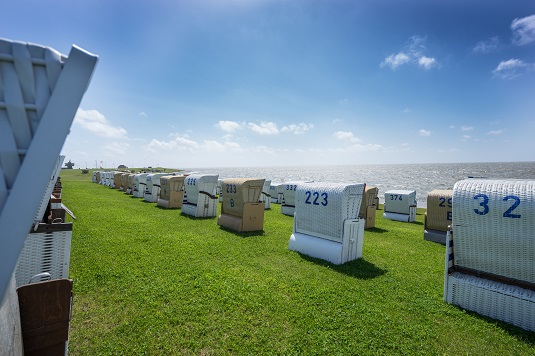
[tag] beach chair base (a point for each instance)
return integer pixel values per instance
(435, 236)
(511, 304)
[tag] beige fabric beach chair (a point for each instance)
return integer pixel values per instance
(438, 215)
(241, 209)
(40, 91)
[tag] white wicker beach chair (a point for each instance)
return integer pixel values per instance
(275, 190)
(199, 195)
(241, 209)
(490, 264)
(140, 182)
(40, 91)
(265, 197)
(326, 223)
(288, 197)
(153, 187)
(438, 215)
(95, 177)
(400, 205)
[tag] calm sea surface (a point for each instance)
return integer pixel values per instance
(420, 177)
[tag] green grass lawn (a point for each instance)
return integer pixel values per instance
(152, 281)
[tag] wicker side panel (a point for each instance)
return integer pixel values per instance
(439, 215)
(45, 251)
(322, 208)
(494, 225)
(496, 300)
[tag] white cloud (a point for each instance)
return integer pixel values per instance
(466, 137)
(467, 128)
(265, 128)
(144, 114)
(452, 126)
(95, 122)
(495, 132)
(523, 30)
(426, 62)
(179, 143)
(298, 129)
(395, 60)
(511, 68)
(411, 53)
(424, 133)
(345, 136)
(487, 46)
(229, 126)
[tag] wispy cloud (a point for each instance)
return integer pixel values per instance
(523, 30)
(487, 46)
(467, 128)
(93, 121)
(411, 53)
(495, 132)
(229, 126)
(424, 133)
(144, 114)
(511, 68)
(264, 128)
(345, 136)
(298, 129)
(178, 143)
(118, 148)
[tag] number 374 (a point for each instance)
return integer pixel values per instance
(483, 208)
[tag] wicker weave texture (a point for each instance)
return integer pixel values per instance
(29, 72)
(196, 183)
(438, 214)
(322, 208)
(496, 300)
(494, 227)
(237, 191)
(45, 252)
(399, 201)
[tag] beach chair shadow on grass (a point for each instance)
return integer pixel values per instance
(359, 268)
(243, 234)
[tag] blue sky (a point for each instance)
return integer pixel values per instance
(209, 83)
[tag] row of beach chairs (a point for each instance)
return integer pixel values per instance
(487, 226)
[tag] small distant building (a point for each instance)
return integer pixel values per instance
(69, 165)
(122, 166)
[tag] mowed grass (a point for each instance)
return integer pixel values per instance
(152, 281)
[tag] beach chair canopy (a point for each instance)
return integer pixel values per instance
(40, 91)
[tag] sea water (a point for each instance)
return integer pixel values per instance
(422, 178)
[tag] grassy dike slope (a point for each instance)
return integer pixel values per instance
(152, 281)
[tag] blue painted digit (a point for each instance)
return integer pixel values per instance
(442, 201)
(307, 201)
(484, 204)
(449, 202)
(508, 212)
(232, 203)
(317, 195)
(324, 196)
